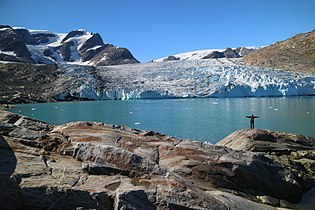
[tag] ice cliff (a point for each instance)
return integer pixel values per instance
(182, 79)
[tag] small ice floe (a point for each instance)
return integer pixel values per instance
(61, 110)
(137, 123)
(130, 112)
(33, 109)
(215, 102)
(270, 107)
(56, 107)
(307, 112)
(276, 109)
(20, 111)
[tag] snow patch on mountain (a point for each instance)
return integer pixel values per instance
(8, 53)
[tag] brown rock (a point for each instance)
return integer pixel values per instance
(97, 166)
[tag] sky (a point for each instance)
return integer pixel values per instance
(152, 29)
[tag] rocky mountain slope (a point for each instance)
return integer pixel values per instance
(96, 166)
(295, 54)
(25, 83)
(45, 47)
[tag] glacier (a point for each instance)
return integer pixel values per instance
(222, 77)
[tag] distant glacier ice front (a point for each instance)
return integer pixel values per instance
(182, 79)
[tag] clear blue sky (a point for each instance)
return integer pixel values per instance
(152, 29)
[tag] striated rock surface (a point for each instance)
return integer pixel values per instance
(86, 165)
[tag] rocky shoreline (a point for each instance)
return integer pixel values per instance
(87, 165)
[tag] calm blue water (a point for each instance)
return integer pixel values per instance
(207, 119)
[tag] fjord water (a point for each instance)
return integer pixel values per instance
(207, 119)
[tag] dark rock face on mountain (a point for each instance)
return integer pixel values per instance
(35, 39)
(95, 40)
(65, 50)
(229, 53)
(44, 47)
(171, 58)
(12, 46)
(214, 54)
(296, 54)
(95, 166)
(91, 47)
(112, 55)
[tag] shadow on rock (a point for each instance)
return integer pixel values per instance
(9, 185)
(54, 198)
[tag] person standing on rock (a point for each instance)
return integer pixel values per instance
(252, 120)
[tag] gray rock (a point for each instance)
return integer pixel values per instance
(32, 124)
(6, 128)
(26, 134)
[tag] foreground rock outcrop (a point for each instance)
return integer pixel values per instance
(85, 165)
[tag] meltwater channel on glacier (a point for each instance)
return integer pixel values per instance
(204, 119)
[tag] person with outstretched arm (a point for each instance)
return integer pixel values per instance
(252, 120)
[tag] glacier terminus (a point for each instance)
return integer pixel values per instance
(222, 77)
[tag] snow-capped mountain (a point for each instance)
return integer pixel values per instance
(45, 47)
(210, 53)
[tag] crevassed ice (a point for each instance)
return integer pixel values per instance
(182, 79)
